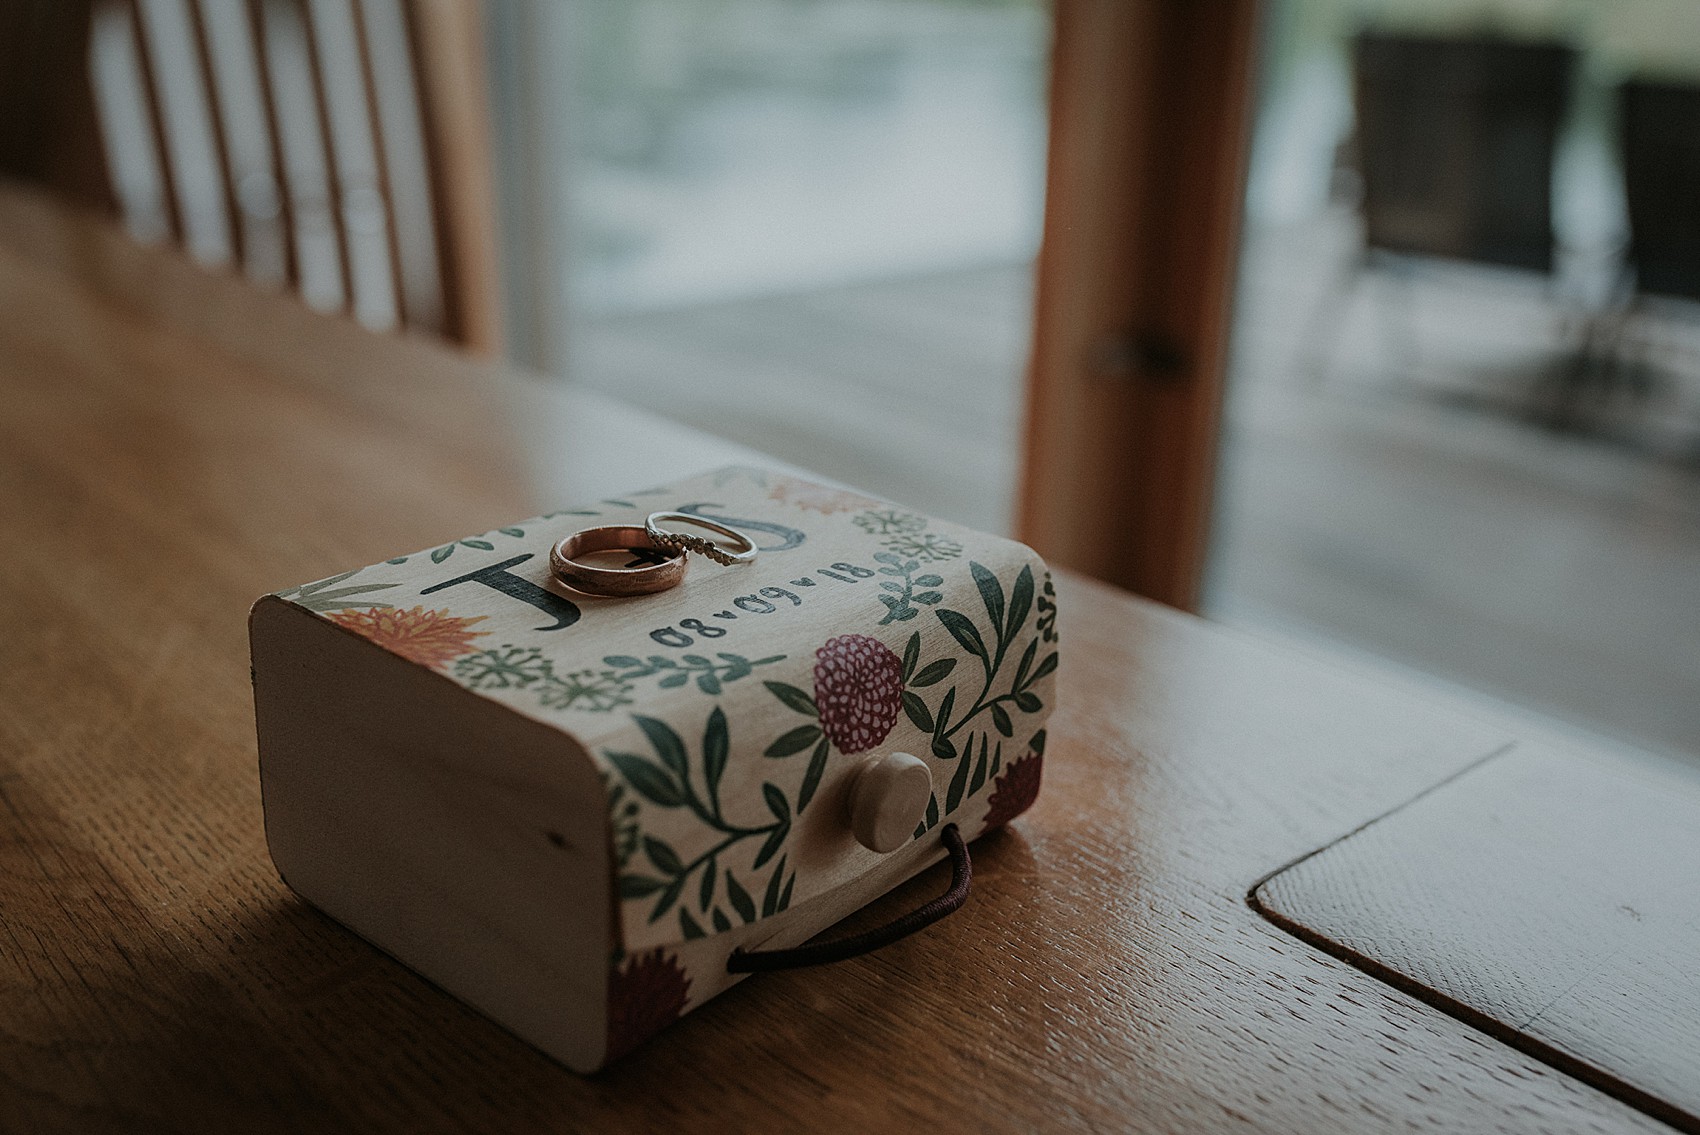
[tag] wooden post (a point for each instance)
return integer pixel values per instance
(1150, 108)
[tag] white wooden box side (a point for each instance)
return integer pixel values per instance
(466, 840)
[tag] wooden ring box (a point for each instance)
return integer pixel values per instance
(569, 811)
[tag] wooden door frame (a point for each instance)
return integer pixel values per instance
(1151, 104)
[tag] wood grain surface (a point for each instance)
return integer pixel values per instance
(1546, 898)
(172, 444)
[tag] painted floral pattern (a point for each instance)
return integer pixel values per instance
(927, 547)
(817, 498)
(430, 638)
(645, 995)
(1017, 788)
(858, 691)
(984, 674)
(889, 522)
(731, 723)
(604, 689)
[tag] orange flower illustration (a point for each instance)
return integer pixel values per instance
(430, 638)
(819, 498)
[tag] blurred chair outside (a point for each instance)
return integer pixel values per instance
(1453, 148)
(1659, 136)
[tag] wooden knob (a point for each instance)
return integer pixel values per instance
(888, 799)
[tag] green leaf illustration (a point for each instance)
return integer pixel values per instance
(322, 597)
(689, 927)
(793, 742)
(776, 803)
(481, 545)
(959, 782)
(442, 553)
(811, 779)
(740, 899)
(794, 698)
(785, 895)
(344, 592)
(721, 922)
(638, 886)
(667, 744)
(715, 748)
(1020, 602)
(668, 898)
(770, 899)
(911, 655)
(651, 782)
(963, 630)
(319, 585)
(991, 594)
(705, 893)
(943, 719)
(918, 712)
(935, 672)
(666, 860)
(1045, 667)
(775, 840)
(979, 779)
(1029, 703)
(1025, 664)
(1000, 718)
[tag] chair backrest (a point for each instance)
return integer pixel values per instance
(339, 147)
(1660, 136)
(1456, 140)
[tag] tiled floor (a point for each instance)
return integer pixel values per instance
(1383, 505)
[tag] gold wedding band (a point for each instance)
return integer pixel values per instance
(645, 579)
(743, 548)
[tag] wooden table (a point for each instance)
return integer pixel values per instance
(173, 443)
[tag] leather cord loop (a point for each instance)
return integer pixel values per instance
(838, 950)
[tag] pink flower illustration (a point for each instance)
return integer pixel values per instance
(430, 638)
(1015, 790)
(644, 996)
(819, 498)
(858, 690)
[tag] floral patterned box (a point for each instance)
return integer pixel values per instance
(569, 811)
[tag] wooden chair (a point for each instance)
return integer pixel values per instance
(1660, 137)
(339, 147)
(1456, 140)
(1454, 145)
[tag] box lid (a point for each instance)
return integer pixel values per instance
(729, 716)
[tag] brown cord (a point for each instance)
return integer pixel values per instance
(961, 875)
